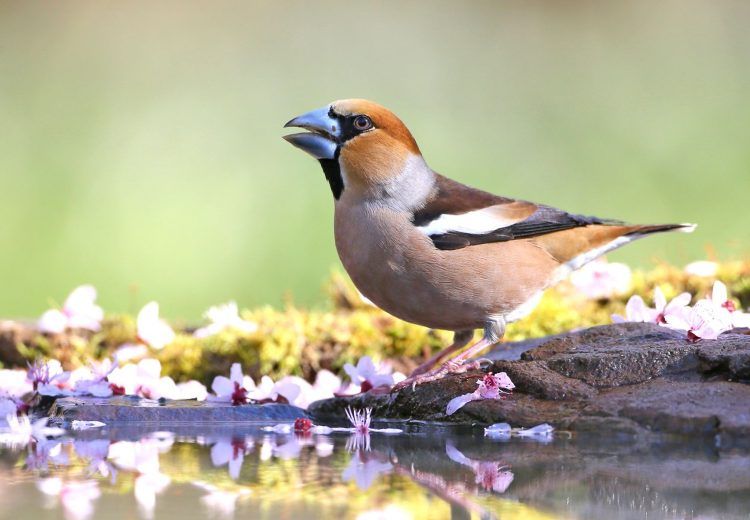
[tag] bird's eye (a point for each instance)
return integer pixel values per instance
(362, 123)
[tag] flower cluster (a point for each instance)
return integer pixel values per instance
(225, 317)
(107, 378)
(78, 312)
(708, 318)
(144, 379)
(240, 389)
(491, 386)
(367, 375)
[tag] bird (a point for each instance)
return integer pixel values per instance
(433, 251)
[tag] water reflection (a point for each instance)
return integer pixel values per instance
(427, 472)
(365, 465)
(490, 475)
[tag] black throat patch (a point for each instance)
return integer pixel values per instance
(332, 171)
(331, 167)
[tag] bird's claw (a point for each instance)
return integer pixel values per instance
(450, 367)
(483, 363)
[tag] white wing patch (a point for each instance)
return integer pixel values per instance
(476, 222)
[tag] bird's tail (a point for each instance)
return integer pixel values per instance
(659, 228)
(583, 245)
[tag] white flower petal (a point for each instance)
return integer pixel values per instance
(719, 293)
(457, 403)
(52, 322)
(660, 302)
(222, 386)
(235, 373)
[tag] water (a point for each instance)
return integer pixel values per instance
(426, 472)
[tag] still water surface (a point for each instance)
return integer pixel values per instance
(426, 472)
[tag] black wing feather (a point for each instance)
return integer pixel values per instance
(545, 220)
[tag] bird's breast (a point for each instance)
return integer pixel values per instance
(399, 269)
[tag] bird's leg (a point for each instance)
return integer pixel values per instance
(461, 338)
(494, 330)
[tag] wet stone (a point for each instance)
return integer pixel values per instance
(134, 410)
(623, 379)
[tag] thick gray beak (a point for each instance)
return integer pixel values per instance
(322, 139)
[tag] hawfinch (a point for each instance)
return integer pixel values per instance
(436, 252)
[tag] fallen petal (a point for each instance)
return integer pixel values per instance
(457, 403)
(541, 430)
(85, 425)
(498, 430)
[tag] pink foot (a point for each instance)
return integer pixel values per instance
(450, 367)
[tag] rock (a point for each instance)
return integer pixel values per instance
(11, 334)
(629, 378)
(134, 410)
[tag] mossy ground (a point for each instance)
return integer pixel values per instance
(300, 342)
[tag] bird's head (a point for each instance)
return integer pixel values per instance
(359, 144)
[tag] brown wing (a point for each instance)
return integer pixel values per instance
(458, 216)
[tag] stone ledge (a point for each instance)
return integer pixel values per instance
(134, 410)
(630, 378)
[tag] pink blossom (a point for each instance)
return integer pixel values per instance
(78, 312)
(233, 390)
(664, 309)
(326, 385)
(14, 383)
(48, 378)
(360, 419)
(369, 376)
(269, 392)
(720, 300)
(223, 317)
(131, 352)
(491, 386)
(152, 330)
(637, 311)
(143, 379)
(703, 321)
(702, 268)
(191, 390)
(93, 381)
(600, 279)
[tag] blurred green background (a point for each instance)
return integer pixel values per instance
(141, 150)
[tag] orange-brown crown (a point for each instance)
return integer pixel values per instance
(380, 153)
